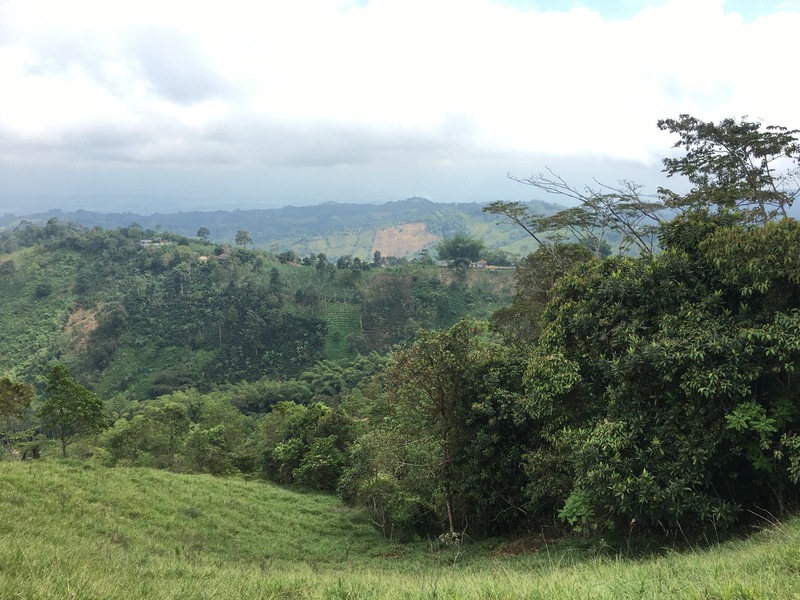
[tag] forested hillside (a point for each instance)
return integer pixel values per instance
(645, 396)
(143, 318)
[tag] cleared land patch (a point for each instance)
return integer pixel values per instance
(403, 240)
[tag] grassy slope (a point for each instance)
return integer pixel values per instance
(77, 530)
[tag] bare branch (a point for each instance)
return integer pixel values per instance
(621, 208)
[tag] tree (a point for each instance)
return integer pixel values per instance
(323, 266)
(664, 385)
(152, 437)
(459, 246)
(203, 233)
(734, 165)
(70, 409)
(309, 261)
(207, 451)
(304, 444)
(288, 256)
(243, 239)
(536, 275)
(622, 209)
(430, 383)
(15, 398)
(444, 438)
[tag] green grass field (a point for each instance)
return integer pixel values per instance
(76, 530)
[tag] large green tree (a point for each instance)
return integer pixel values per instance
(445, 438)
(152, 437)
(70, 409)
(243, 239)
(429, 383)
(303, 444)
(461, 246)
(665, 385)
(662, 383)
(536, 274)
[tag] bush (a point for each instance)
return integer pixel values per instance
(43, 290)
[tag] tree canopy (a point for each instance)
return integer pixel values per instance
(15, 397)
(70, 408)
(461, 246)
(243, 239)
(735, 164)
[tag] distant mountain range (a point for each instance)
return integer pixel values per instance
(400, 229)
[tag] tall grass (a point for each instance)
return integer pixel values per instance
(80, 531)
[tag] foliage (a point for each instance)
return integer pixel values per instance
(70, 409)
(535, 276)
(337, 229)
(662, 385)
(673, 391)
(328, 380)
(461, 246)
(149, 320)
(258, 397)
(303, 444)
(151, 437)
(735, 165)
(429, 383)
(652, 391)
(184, 431)
(206, 450)
(443, 450)
(243, 239)
(15, 397)
(621, 211)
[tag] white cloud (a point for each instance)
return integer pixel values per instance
(327, 82)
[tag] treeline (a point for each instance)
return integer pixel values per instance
(651, 392)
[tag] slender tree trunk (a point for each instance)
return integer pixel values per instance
(450, 515)
(448, 494)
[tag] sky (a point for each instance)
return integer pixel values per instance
(166, 105)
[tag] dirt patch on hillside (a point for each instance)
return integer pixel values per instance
(80, 326)
(403, 240)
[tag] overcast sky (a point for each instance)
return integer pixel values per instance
(247, 103)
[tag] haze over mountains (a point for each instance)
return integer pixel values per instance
(336, 229)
